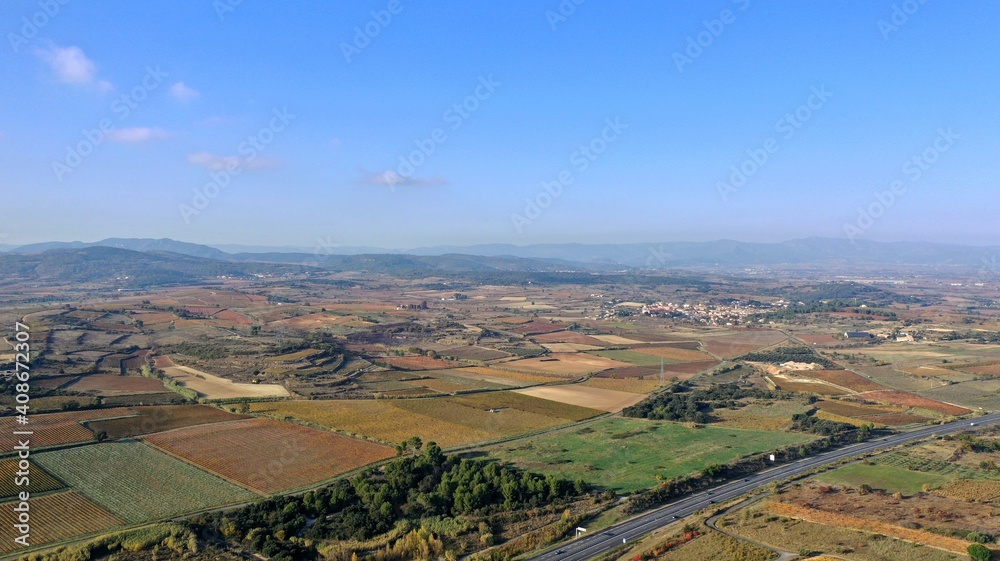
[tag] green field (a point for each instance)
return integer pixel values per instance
(138, 483)
(891, 479)
(638, 359)
(627, 454)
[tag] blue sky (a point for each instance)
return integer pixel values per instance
(400, 124)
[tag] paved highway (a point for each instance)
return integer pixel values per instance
(591, 545)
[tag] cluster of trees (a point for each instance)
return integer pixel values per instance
(411, 487)
(680, 403)
(789, 354)
(982, 337)
(808, 422)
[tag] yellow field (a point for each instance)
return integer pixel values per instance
(566, 364)
(633, 385)
(450, 421)
(616, 340)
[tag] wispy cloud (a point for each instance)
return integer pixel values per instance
(395, 179)
(214, 162)
(71, 66)
(136, 135)
(181, 92)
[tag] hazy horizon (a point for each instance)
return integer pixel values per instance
(395, 125)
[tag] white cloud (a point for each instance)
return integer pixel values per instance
(71, 66)
(181, 92)
(393, 179)
(135, 135)
(214, 162)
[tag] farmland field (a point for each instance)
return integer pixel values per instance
(633, 385)
(911, 400)
(57, 517)
(741, 343)
(380, 419)
(454, 384)
(474, 353)
(627, 454)
(569, 337)
(59, 428)
(633, 357)
(269, 456)
(595, 398)
(618, 340)
(161, 418)
(569, 347)
(41, 480)
(117, 384)
(137, 483)
(500, 376)
(448, 421)
(675, 354)
(981, 393)
(213, 387)
(566, 364)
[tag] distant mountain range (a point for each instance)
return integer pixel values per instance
(722, 253)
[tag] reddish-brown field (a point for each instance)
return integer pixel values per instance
(568, 337)
(992, 368)
(416, 362)
(56, 428)
(892, 419)
(910, 400)
(52, 382)
(56, 517)
(269, 456)
(161, 418)
(117, 384)
(689, 367)
(741, 343)
(844, 379)
(234, 317)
